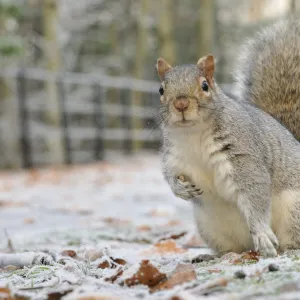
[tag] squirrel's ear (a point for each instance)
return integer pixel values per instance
(162, 68)
(207, 65)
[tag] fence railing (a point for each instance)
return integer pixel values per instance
(105, 102)
(95, 116)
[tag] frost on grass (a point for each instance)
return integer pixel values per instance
(109, 231)
(20, 260)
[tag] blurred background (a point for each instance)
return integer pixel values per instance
(77, 77)
(78, 85)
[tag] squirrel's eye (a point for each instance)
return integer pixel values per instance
(204, 86)
(161, 90)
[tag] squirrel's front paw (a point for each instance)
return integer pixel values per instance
(265, 242)
(185, 189)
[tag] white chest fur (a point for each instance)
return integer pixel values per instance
(219, 220)
(199, 157)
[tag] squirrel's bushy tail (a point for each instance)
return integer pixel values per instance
(268, 73)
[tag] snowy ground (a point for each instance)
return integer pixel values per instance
(115, 231)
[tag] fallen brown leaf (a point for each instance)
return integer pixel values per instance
(183, 273)
(5, 294)
(164, 247)
(115, 276)
(70, 253)
(120, 261)
(173, 223)
(147, 274)
(112, 263)
(167, 246)
(104, 265)
(58, 295)
(4, 290)
(246, 257)
(174, 236)
(251, 255)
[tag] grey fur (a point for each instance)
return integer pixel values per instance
(268, 72)
(263, 154)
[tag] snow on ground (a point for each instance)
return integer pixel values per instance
(115, 231)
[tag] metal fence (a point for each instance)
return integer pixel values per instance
(97, 115)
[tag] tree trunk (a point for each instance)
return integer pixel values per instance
(54, 138)
(256, 10)
(206, 43)
(114, 94)
(141, 54)
(9, 108)
(167, 50)
(292, 8)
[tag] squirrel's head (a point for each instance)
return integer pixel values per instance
(185, 91)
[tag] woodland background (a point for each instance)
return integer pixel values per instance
(78, 85)
(77, 78)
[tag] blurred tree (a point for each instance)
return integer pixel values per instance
(53, 63)
(256, 10)
(140, 58)
(10, 15)
(118, 38)
(292, 7)
(206, 42)
(9, 47)
(165, 28)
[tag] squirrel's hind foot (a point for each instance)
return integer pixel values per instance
(265, 243)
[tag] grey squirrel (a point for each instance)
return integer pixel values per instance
(238, 160)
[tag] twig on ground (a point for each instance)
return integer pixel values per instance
(9, 242)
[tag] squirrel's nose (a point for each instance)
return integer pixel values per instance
(181, 104)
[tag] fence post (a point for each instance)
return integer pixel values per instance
(99, 119)
(64, 121)
(126, 100)
(24, 126)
